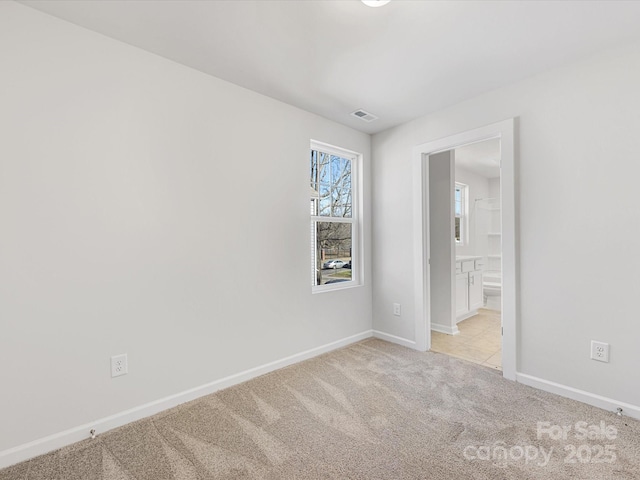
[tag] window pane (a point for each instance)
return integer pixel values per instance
(457, 229)
(332, 252)
(324, 168)
(340, 170)
(324, 193)
(341, 187)
(331, 177)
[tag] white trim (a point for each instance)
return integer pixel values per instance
(333, 287)
(464, 316)
(421, 258)
(393, 339)
(333, 150)
(444, 329)
(317, 218)
(605, 403)
(58, 440)
(504, 130)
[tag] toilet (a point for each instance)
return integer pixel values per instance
(492, 291)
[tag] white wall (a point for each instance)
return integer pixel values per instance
(151, 209)
(478, 188)
(494, 187)
(441, 245)
(577, 218)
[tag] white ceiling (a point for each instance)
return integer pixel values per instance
(482, 158)
(399, 62)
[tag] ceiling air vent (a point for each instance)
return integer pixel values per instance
(362, 115)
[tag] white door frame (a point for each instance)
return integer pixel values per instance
(505, 131)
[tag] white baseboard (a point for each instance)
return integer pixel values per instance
(464, 316)
(52, 442)
(579, 395)
(445, 329)
(393, 339)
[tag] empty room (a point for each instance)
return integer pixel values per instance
(319, 239)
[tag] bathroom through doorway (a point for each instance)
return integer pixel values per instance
(472, 330)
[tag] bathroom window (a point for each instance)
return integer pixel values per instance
(460, 202)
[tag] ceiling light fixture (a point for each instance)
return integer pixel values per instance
(375, 3)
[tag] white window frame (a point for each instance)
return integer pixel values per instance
(464, 214)
(355, 220)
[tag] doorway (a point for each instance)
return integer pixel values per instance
(474, 332)
(434, 287)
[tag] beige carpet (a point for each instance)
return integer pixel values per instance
(372, 410)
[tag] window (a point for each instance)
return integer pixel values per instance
(460, 202)
(334, 217)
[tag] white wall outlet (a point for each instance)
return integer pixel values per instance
(119, 365)
(396, 309)
(600, 351)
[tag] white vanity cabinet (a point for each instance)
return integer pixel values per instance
(475, 290)
(462, 295)
(468, 287)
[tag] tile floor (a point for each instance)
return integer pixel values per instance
(479, 340)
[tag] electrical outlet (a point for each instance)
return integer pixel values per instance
(396, 309)
(600, 351)
(119, 365)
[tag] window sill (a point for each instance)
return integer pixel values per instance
(333, 288)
